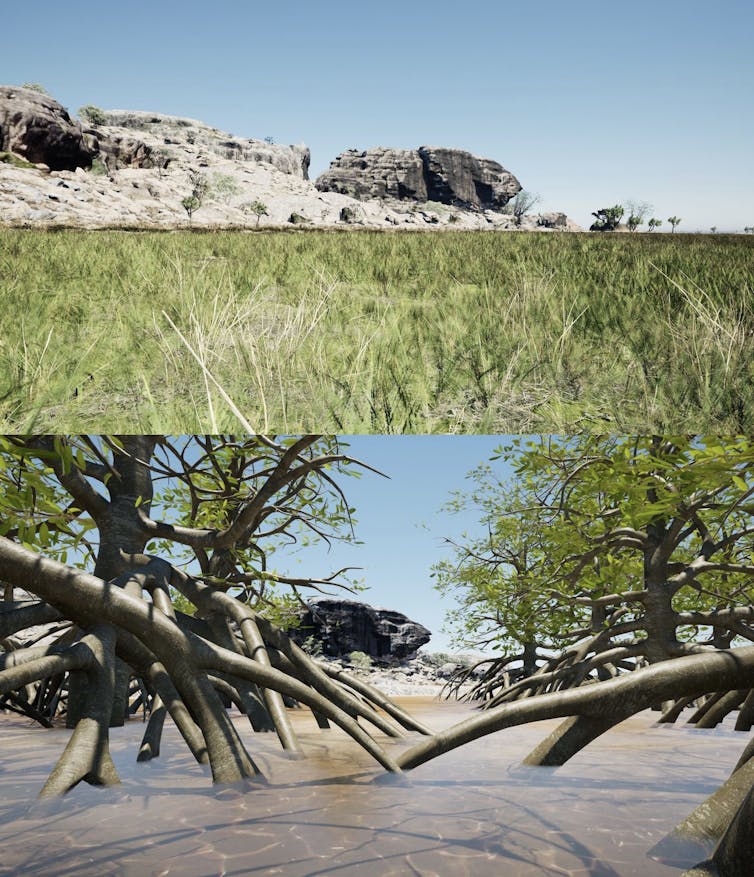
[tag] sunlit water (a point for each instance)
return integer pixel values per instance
(476, 811)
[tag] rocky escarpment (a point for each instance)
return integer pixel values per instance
(38, 129)
(345, 626)
(135, 169)
(446, 176)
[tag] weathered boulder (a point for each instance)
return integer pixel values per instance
(39, 129)
(450, 176)
(553, 220)
(345, 626)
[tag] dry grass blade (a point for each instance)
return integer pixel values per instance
(208, 374)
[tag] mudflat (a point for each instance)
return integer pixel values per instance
(476, 811)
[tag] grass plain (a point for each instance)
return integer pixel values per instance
(384, 332)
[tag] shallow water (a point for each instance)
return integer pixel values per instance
(476, 811)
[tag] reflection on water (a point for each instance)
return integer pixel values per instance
(476, 811)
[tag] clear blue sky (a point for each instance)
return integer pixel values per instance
(401, 523)
(588, 102)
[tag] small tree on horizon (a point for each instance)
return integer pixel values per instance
(637, 212)
(607, 219)
(654, 223)
(521, 204)
(674, 221)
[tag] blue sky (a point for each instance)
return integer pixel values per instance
(588, 103)
(401, 523)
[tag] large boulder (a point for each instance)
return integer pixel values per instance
(465, 180)
(345, 626)
(450, 176)
(39, 129)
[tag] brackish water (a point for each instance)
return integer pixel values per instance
(476, 812)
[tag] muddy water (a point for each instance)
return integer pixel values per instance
(475, 811)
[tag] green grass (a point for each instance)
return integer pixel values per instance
(375, 332)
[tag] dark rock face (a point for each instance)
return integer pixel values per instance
(345, 626)
(39, 129)
(460, 178)
(450, 176)
(117, 152)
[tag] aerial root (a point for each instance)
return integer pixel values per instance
(87, 756)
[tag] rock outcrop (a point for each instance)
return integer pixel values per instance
(134, 169)
(118, 151)
(174, 130)
(39, 129)
(447, 176)
(345, 626)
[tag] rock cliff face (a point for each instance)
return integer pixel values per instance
(39, 129)
(345, 626)
(447, 176)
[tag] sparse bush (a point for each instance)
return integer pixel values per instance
(98, 168)
(191, 203)
(521, 204)
(14, 160)
(607, 219)
(312, 646)
(224, 187)
(35, 86)
(360, 660)
(258, 208)
(93, 115)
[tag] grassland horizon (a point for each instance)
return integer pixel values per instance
(380, 332)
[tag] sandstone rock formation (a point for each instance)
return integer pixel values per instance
(118, 151)
(345, 626)
(134, 170)
(39, 129)
(376, 173)
(447, 176)
(173, 130)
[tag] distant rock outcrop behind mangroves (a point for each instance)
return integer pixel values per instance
(132, 168)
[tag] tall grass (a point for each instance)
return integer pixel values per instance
(375, 332)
